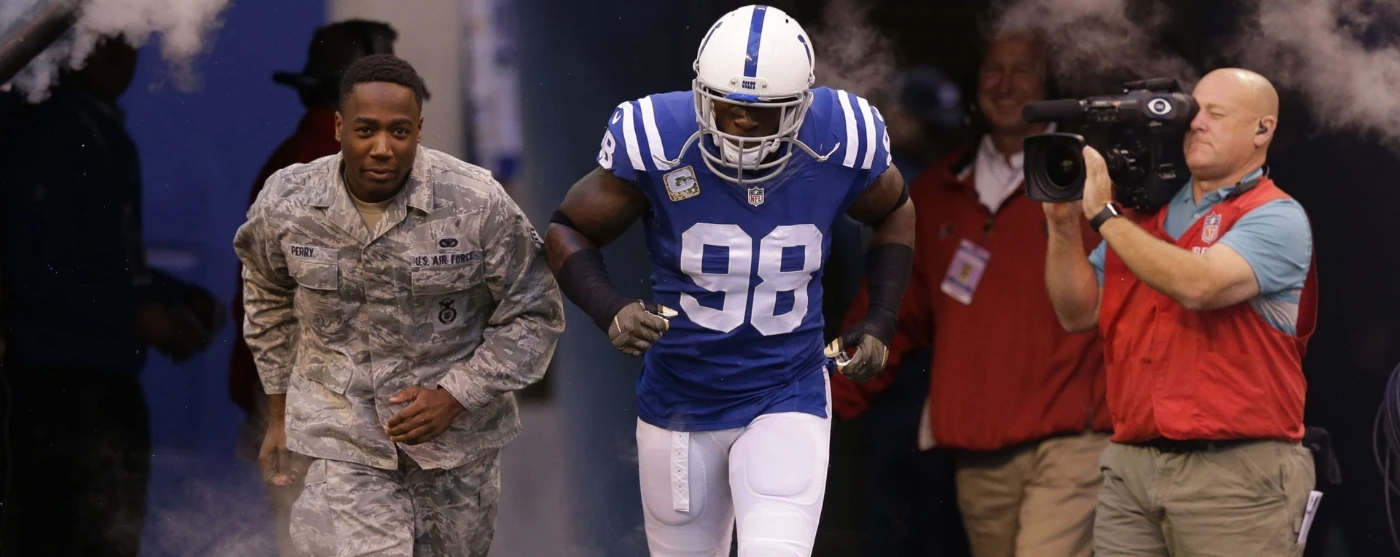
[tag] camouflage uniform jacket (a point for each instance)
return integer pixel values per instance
(450, 290)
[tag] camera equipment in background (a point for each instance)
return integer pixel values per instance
(1145, 128)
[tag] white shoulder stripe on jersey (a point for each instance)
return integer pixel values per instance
(629, 135)
(870, 138)
(884, 137)
(850, 146)
(654, 145)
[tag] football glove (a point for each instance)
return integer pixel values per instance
(639, 325)
(869, 357)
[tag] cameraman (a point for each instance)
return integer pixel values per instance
(1205, 307)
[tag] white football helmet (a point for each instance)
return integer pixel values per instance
(753, 56)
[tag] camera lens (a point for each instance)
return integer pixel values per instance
(1054, 167)
(1061, 165)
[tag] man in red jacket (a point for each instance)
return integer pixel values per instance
(1205, 306)
(1020, 401)
(333, 48)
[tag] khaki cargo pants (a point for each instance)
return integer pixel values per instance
(1226, 500)
(1032, 500)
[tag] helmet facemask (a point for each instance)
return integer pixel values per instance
(742, 159)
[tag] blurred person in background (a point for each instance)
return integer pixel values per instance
(925, 112)
(333, 48)
(908, 495)
(1018, 401)
(81, 308)
(396, 298)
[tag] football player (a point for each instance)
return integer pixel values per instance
(738, 180)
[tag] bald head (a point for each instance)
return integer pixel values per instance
(1231, 134)
(1252, 91)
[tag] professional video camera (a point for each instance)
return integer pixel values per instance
(1145, 127)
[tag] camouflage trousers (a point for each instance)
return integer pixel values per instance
(349, 509)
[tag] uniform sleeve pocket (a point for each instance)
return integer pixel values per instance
(335, 377)
(322, 276)
(318, 301)
(442, 297)
(323, 315)
(436, 282)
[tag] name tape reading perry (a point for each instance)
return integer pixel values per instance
(315, 253)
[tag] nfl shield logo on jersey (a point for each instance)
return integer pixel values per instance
(681, 184)
(755, 196)
(1212, 228)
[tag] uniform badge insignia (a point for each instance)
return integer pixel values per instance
(755, 196)
(448, 313)
(1211, 230)
(681, 184)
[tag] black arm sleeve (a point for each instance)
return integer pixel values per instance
(584, 279)
(887, 268)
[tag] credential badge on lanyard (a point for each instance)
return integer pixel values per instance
(965, 272)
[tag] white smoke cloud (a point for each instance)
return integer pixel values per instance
(185, 28)
(213, 521)
(1092, 39)
(1317, 49)
(198, 513)
(851, 53)
(1313, 48)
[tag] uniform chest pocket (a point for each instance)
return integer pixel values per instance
(318, 301)
(442, 296)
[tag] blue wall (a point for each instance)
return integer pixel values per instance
(200, 152)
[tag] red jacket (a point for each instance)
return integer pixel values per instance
(313, 139)
(1004, 371)
(1219, 374)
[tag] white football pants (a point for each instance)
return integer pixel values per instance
(771, 476)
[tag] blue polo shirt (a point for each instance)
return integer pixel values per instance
(1275, 239)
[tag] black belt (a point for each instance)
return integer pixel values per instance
(1183, 446)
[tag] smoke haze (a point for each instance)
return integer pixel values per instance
(1314, 48)
(851, 53)
(185, 28)
(1094, 38)
(1340, 56)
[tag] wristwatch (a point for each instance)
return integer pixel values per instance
(1112, 209)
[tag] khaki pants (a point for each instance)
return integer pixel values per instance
(1033, 500)
(1235, 500)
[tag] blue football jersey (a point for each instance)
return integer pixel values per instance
(742, 264)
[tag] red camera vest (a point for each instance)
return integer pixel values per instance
(1218, 374)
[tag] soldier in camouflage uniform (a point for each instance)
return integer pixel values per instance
(395, 299)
